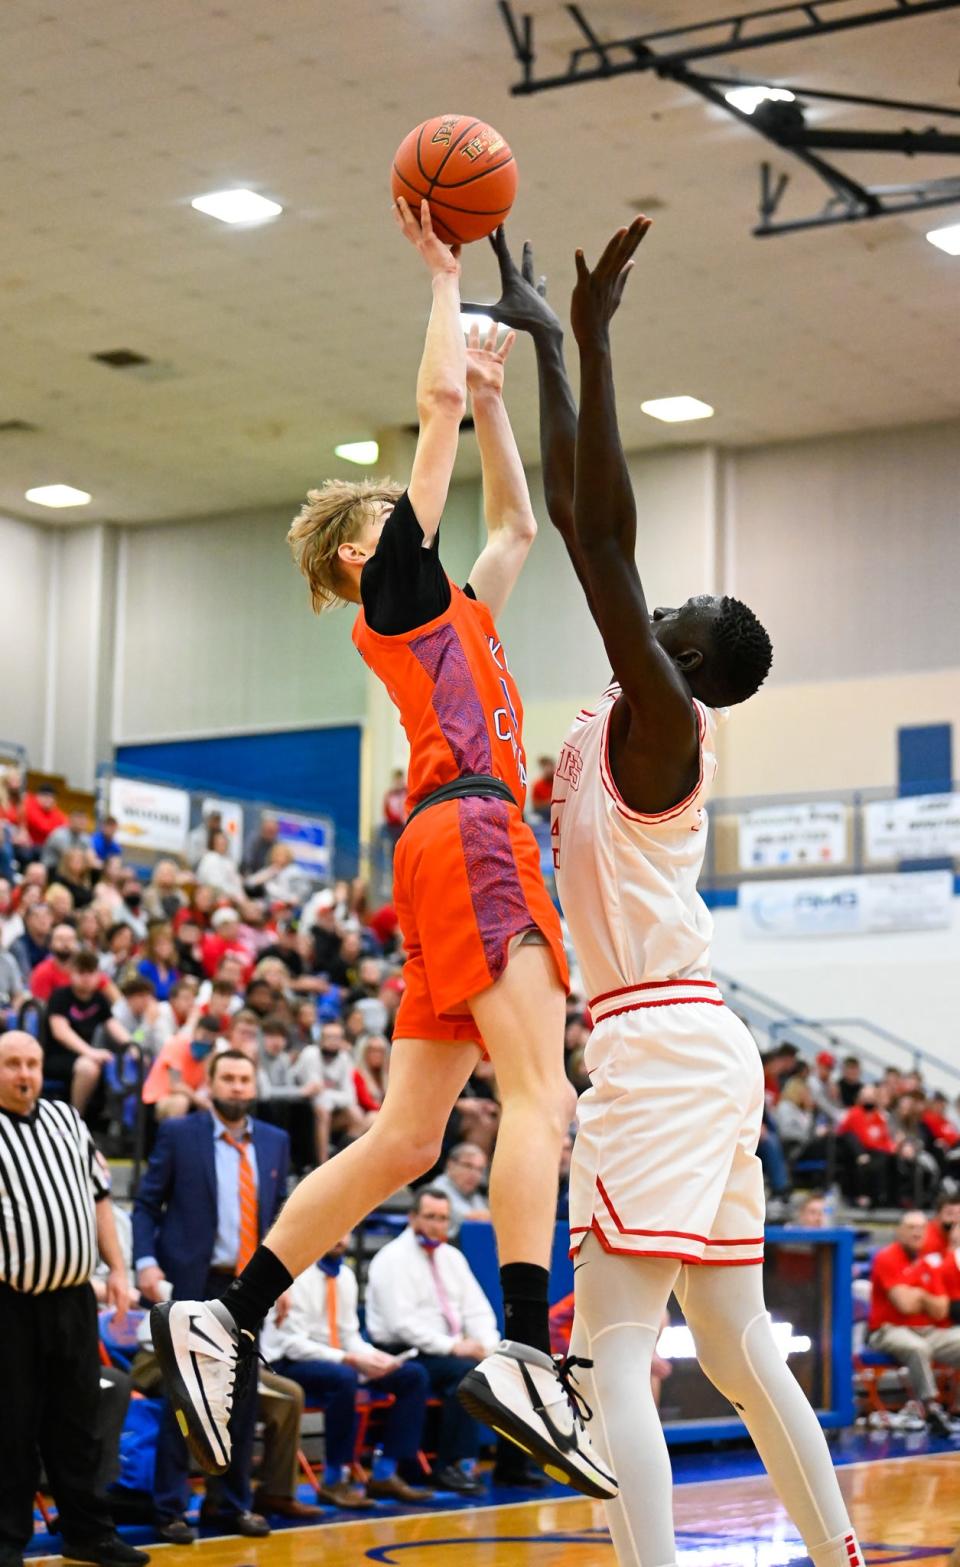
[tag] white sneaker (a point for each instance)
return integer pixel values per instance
(533, 1401)
(200, 1350)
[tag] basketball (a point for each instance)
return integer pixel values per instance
(465, 170)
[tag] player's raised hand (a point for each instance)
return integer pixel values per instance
(418, 229)
(485, 361)
(523, 302)
(598, 293)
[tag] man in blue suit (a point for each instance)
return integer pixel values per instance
(213, 1187)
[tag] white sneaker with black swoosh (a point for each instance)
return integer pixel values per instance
(533, 1400)
(201, 1350)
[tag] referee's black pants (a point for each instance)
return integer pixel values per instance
(49, 1400)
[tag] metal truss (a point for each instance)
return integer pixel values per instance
(669, 53)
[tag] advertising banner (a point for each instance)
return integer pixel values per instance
(150, 816)
(846, 905)
(788, 835)
(919, 827)
(311, 838)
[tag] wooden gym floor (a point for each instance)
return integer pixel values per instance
(905, 1509)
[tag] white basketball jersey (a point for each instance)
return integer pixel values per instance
(628, 881)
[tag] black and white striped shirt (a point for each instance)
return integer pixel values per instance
(51, 1178)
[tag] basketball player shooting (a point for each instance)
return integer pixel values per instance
(485, 958)
(666, 1191)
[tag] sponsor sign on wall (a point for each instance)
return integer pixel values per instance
(311, 838)
(847, 905)
(789, 835)
(919, 827)
(150, 816)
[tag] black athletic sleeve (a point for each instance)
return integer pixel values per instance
(403, 585)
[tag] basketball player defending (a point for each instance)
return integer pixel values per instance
(666, 1192)
(485, 957)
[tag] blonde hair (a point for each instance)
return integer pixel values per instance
(335, 514)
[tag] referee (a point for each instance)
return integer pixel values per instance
(54, 1219)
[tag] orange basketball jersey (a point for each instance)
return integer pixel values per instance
(457, 699)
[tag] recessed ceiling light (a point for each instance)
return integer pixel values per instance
(237, 206)
(947, 239)
(746, 99)
(57, 495)
(675, 410)
(364, 453)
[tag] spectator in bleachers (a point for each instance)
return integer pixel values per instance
(477, 1111)
(197, 1233)
(220, 996)
(810, 1212)
(76, 1015)
(130, 907)
(261, 997)
(74, 871)
(371, 1071)
(177, 1082)
(281, 880)
(872, 1171)
(32, 946)
(187, 937)
(41, 814)
(89, 929)
(421, 1294)
(13, 990)
(395, 807)
(774, 1164)
(104, 840)
(463, 1175)
(541, 793)
(938, 1235)
(826, 1095)
(915, 1145)
(53, 971)
(306, 1029)
(259, 844)
(217, 870)
(159, 959)
(223, 938)
(164, 897)
(243, 1034)
(138, 1010)
(119, 945)
(941, 1126)
(73, 834)
(345, 968)
(54, 1219)
(107, 893)
(319, 1345)
(390, 993)
(911, 1317)
(284, 1099)
(850, 1082)
(200, 838)
(9, 929)
(794, 1116)
(338, 1111)
(779, 1065)
(59, 900)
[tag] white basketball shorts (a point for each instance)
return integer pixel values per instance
(664, 1163)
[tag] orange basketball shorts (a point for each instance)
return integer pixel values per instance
(466, 882)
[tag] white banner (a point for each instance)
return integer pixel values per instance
(846, 905)
(919, 827)
(311, 839)
(150, 816)
(803, 834)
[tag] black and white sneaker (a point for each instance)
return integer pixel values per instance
(533, 1400)
(201, 1351)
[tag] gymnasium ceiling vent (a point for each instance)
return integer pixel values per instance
(121, 358)
(17, 427)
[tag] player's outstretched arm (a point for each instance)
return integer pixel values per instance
(511, 525)
(605, 514)
(442, 378)
(523, 305)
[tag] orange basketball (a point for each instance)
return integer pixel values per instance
(463, 168)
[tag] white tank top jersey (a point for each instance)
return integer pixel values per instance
(628, 881)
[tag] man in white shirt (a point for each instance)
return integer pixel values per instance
(421, 1294)
(319, 1345)
(336, 1106)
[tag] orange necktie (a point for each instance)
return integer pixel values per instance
(249, 1219)
(332, 1312)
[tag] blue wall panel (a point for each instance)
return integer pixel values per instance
(311, 770)
(925, 759)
